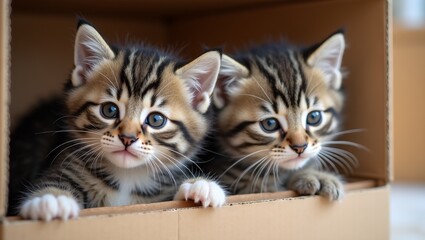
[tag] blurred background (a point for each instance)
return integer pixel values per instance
(408, 188)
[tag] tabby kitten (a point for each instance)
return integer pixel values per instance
(277, 106)
(134, 118)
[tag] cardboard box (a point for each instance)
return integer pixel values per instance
(41, 48)
(409, 56)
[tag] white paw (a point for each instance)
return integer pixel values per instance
(48, 207)
(206, 192)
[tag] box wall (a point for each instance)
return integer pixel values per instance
(365, 58)
(357, 217)
(4, 100)
(363, 214)
(43, 51)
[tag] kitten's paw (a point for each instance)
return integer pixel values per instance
(320, 183)
(306, 185)
(48, 207)
(206, 192)
(332, 188)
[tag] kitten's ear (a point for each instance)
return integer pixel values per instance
(230, 72)
(90, 49)
(327, 56)
(201, 76)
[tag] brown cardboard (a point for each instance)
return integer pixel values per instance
(357, 217)
(409, 56)
(4, 100)
(41, 50)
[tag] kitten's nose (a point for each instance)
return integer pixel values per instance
(127, 140)
(299, 148)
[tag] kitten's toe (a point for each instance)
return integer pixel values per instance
(332, 188)
(217, 195)
(307, 185)
(67, 208)
(206, 192)
(48, 207)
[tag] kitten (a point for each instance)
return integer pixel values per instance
(277, 107)
(130, 122)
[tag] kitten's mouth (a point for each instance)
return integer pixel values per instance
(125, 154)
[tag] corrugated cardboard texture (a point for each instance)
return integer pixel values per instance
(365, 58)
(356, 217)
(4, 101)
(409, 85)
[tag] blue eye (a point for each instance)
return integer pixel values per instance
(156, 120)
(109, 110)
(314, 118)
(269, 124)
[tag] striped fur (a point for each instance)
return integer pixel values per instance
(135, 118)
(283, 86)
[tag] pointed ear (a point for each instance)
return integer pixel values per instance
(90, 49)
(201, 77)
(327, 56)
(230, 72)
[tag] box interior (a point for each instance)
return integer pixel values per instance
(42, 35)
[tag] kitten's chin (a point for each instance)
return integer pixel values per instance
(293, 164)
(125, 159)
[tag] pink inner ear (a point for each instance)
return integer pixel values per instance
(197, 99)
(85, 56)
(82, 75)
(221, 85)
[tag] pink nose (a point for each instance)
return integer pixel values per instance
(127, 140)
(299, 148)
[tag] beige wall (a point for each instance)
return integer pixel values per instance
(409, 105)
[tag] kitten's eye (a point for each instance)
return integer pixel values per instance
(109, 110)
(270, 124)
(156, 120)
(314, 118)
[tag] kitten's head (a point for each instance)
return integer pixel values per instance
(135, 106)
(279, 103)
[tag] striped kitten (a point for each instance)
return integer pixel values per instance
(135, 117)
(277, 105)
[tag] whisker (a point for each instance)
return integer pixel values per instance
(236, 182)
(344, 153)
(348, 143)
(185, 157)
(167, 170)
(328, 161)
(238, 161)
(174, 162)
(262, 89)
(341, 164)
(266, 177)
(259, 172)
(357, 130)
(70, 131)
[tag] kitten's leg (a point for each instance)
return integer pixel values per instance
(202, 190)
(311, 182)
(49, 203)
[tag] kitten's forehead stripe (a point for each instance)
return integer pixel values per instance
(154, 85)
(123, 74)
